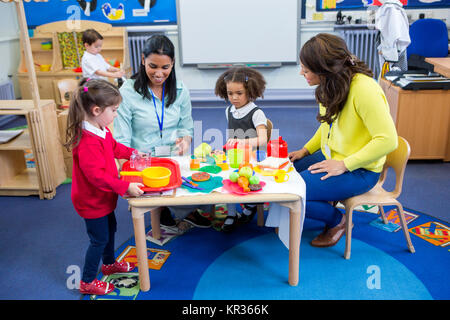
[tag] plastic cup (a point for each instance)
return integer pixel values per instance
(235, 157)
(281, 176)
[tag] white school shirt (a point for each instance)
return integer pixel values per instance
(93, 62)
(258, 117)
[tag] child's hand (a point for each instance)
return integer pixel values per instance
(120, 73)
(231, 143)
(134, 189)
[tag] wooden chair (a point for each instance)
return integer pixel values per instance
(378, 196)
(260, 206)
(66, 87)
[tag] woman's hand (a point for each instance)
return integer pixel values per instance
(134, 189)
(182, 144)
(295, 155)
(330, 166)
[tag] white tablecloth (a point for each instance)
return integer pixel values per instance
(278, 215)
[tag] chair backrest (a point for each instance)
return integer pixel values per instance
(269, 129)
(66, 87)
(396, 160)
(429, 38)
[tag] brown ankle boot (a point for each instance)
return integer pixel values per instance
(329, 237)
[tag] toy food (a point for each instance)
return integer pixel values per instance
(200, 176)
(194, 164)
(246, 172)
(245, 164)
(255, 187)
(243, 183)
(202, 150)
(234, 176)
(253, 180)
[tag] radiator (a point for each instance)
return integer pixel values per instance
(363, 44)
(136, 44)
(7, 91)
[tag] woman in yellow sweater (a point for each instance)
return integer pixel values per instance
(345, 156)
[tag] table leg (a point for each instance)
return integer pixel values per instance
(141, 247)
(295, 210)
(155, 218)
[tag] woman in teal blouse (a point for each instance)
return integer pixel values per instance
(156, 115)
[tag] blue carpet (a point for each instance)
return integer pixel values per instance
(252, 264)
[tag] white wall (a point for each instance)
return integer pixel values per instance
(284, 78)
(9, 44)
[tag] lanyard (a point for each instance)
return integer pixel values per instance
(160, 122)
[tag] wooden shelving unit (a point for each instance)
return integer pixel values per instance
(115, 46)
(43, 139)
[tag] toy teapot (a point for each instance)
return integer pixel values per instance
(277, 148)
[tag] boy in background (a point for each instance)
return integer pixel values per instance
(93, 64)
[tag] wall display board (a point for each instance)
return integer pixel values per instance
(114, 12)
(325, 5)
(218, 32)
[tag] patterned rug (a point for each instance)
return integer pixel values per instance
(246, 263)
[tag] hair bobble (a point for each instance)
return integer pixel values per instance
(85, 89)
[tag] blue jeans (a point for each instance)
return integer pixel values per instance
(320, 192)
(101, 233)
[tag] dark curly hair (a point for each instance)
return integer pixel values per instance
(328, 57)
(252, 80)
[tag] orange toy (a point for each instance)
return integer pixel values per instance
(195, 164)
(243, 183)
(245, 164)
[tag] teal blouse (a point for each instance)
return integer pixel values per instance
(136, 125)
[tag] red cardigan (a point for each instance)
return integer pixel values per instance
(95, 180)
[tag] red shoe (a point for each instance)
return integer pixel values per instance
(96, 287)
(117, 267)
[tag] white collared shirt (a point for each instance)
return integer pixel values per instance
(98, 132)
(258, 117)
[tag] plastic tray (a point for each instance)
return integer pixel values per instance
(175, 178)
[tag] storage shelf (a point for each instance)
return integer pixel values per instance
(27, 181)
(22, 142)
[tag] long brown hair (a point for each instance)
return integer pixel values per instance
(90, 93)
(327, 56)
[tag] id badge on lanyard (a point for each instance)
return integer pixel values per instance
(327, 147)
(160, 151)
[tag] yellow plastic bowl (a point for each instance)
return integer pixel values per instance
(156, 177)
(45, 67)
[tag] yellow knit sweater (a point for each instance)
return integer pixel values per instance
(363, 133)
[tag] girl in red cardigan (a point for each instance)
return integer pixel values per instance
(95, 181)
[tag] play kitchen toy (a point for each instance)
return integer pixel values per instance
(245, 179)
(277, 148)
(236, 155)
(46, 45)
(153, 177)
(170, 164)
(43, 67)
(277, 156)
(140, 162)
(188, 183)
(280, 176)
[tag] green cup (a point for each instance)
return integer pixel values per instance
(235, 157)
